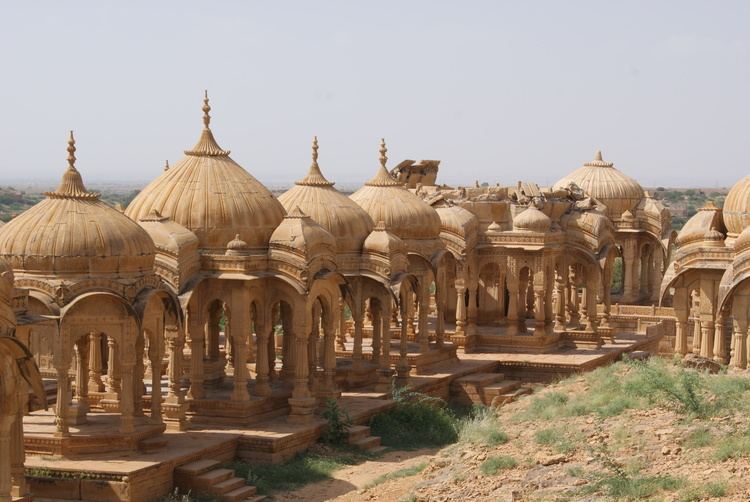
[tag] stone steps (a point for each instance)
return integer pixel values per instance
(359, 437)
(152, 444)
(469, 390)
(207, 477)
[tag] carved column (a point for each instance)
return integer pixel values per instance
(63, 398)
(82, 379)
(403, 367)
(629, 261)
(17, 456)
(707, 338)
(423, 337)
(262, 364)
(377, 328)
(384, 372)
(719, 348)
(607, 293)
(312, 350)
(341, 335)
(592, 280)
(239, 328)
(357, 315)
(6, 422)
(174, 404)
(113, 369)
(739, 342)
(139, 372)
(513, 293)
(95, 362)
(471, 313)
(697, 334)
(560, 304)
(329, 355)
(301, 402)
(197, 334)
(681, 309)
(155, 356)
(460, 309)
(127, 364)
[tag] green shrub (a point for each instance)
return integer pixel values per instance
(336, 432)
(493, 465)
(416, 420)
(556, 438)
(714, 489)
(680, 387)
(735, 446)
(482, 427)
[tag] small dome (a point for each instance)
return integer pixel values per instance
(602, 181)
(737, 207)
(300, 233)
(743, 241)
(494, 227)
(73, 232)
(403, 213)
(168, 235)
(381, 241)
(457, 220)
(705, 225)
(532, 220)
(210, 194)
(236, 247)
(328, 207)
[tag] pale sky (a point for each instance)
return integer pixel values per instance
(499, 91)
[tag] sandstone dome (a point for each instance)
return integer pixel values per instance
(457, 220)
(602, 181)
(403, 213)
(532, 219)
(737, 207)
(211, 195)
(72, 232)
(315, 196)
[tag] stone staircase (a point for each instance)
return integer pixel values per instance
(489, 389)
(359, 437)
(207, 477)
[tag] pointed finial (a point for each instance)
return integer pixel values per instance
(206, 109)
(315, 151)
(166, 165)
(71, 152)
(383, 151)
(598, 155)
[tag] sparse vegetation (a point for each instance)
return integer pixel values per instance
(338, 423)
(493, 465)
(482, 427)
(417, 420)
(401, 473)
(308, 467)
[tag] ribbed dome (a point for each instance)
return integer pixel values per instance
(73, 232)
(532, 220)
(743, 241)
(210, 194)
(328, 207)
(457, 220)
(737, 207)
(299, 232)
(705, 225)
(610, 186)
(383, 242)
(403, 213)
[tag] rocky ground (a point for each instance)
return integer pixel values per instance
(612, 434)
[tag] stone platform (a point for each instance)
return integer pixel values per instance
(551, 366)
(99, 433)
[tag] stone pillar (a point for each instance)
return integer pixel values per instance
(403, 367)
(539, 319)
(440, 307)
(560, 303)
(239, 328)
(384, 372)
(113, 369)
(6, 421)
(573, 313)
(707, 338)
(513, 309)
(81, 348)
(271, 331)
(630, 266)
(263, 362)
(174, 404)
(139, 372)
(357, 316)
(95, 362)
(607, 294)
(681, 309)
(471, 312)
(377, 328)
(591, 318)
(460, 309)
(127, 363)
(423, 337)
(155, 357)
(17, 458)
(719, 348)
(341, 335)
(197, 334)
(63, 399)
(329, 355)
(289, 356)
(739, 337)
(312, 350)
(301, 403)
(697, 334)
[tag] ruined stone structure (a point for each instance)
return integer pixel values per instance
(210, 302)
(707, 283)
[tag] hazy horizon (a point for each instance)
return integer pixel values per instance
(498, 91)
